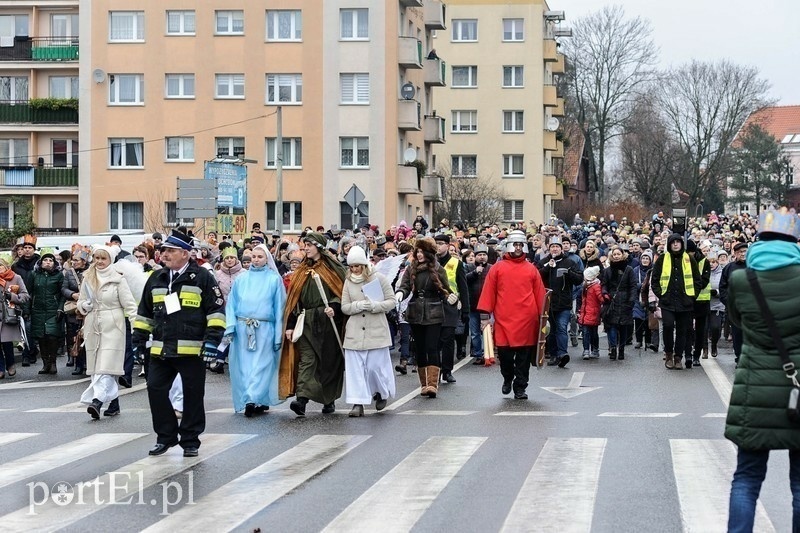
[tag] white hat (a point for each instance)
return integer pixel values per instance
(112, 251)
(356, 256)
(591, 273)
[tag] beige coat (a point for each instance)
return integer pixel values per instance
(104, 326)
(366, 330)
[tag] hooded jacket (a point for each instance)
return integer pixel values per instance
(561, 285)
(675, 299)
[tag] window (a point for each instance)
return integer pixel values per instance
(229, 86)
(512, 166)
(13, 152)
(180, 23)
(64, 26)
(126, 89)
(230, 22)
(6, 213)
(355, 152)
(14, 26)
(171, 213)
(292, 152)
(355, 88)
(65, 152)
(63, 214)
(64, 87)
(346, 215)
(512, 76)
(230, 146)
(513, 122)
(465, 209)
(465, 30)
(126, 26)
(284, 25)
(464, 166)
(354, 24)
(180, 85)
(13, 88)
(465, 121)
(512, 210)
(512, 30)
(125, 215)
(126, 153)
(292, 219)
(465, 76)
(180, 149)
(284, 88)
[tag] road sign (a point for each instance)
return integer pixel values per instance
(354, 197)
(197, 198)
(231, 183)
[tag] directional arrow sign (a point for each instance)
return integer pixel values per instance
(573, 389)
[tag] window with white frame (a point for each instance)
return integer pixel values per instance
(284, 88)
(181, 22)
(180, 149)
(230, 146)
(125, 215)
(126, 26)
(354, 24)
(13, 152)
(65, 152)
(512, 210)
(126, 153)
(229, 22)
(13, 88)
(126, 89)
(465, 76)
(14, 26)
(63, 214)
(284, 25)
(355, 152)
(179, 85)
(465, 30)
(354, 88)
(512, 166)
(512, 76)
(63, 87)
(512, 30)
(64, 25)
(513, 122)
(465, 121)
(291, 217)
(170, 213)
(292, 152)
(229, 86)
(464, 166)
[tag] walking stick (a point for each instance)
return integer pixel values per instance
(325, 301)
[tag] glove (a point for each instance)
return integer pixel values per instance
(398, 296)
(561, 271)
(606, 297)
(209, 352)
(452, 299)
(85, 307)
(366, 305)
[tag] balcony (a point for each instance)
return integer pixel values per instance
(551, 187)
(559, 153)
(410, 3)
(550, 50)
(20, 50)
(435, 16)
(550, 143)
(409, 52)
(434, 129)
(25, 113)
(409, 113)
(16, 177)
(435, 70)
(558, 66)
(40, 49)
(432, 189)
(55, 177)
(550, 96)
(558, 110)
(408, 180)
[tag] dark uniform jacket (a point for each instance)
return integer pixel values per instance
(199, 324)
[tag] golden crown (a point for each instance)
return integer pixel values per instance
(783, 221)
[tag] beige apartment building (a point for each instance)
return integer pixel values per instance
(166, 87)
(501, 100)
(39, 43)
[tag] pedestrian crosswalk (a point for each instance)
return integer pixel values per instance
(566, 474)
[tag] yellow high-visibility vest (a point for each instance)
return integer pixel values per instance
(705, 294)
(666, 273)
(451, 267)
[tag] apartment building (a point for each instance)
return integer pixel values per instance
(39, 43)
(166, 87)
(501, 102)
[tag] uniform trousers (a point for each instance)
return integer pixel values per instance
(160, 378)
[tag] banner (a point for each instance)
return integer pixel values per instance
(231, 225)
(231, 183)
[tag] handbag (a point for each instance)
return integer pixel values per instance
(298, 327)
(605, 309)
(10, 313)
(70, 307)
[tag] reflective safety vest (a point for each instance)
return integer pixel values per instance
(451, 267)
(705, 294)
(666, 273)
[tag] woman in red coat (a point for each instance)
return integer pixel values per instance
(589, 313)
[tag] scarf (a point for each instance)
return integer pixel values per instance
(8, 275)
(96, 277)
(772, 255)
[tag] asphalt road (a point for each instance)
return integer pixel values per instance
(612, 446)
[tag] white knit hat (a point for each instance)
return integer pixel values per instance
(591, 273)
(356, 256)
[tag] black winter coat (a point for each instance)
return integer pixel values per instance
(561, 286)
(619, 292)
(675, 299)
(475, 283)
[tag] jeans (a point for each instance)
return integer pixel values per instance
(591, 338)
(617, 335)
(558, 338)
(751, 469)
(476, 334)
(405, 339)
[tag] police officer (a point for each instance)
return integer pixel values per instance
(182, 308)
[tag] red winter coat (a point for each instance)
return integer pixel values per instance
(514, 293)
(591, 302)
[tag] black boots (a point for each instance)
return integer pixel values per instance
(94, 409)
(612, 353)
(113, 408)
(299, 406)
(402, 367)
(48, 364)
(621, 354)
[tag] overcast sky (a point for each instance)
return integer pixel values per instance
(763, 34)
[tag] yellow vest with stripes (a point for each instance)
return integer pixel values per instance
(666, 272)
(705, 294)
(451, 267)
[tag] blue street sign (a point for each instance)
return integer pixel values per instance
(231, 183)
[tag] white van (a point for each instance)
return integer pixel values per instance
(55, 244)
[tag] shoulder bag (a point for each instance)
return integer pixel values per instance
(9, 312)
(605, 311)
(298, 327)
(71, 306)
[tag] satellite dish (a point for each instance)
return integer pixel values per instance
(552, 124)
(407, 91)
(409, 155)
(98, 75)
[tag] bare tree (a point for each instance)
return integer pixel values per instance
(705, 105)
(471, 200)
(613, 58)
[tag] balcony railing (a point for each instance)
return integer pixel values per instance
(409, 113)
(39, 48)
(435, 15)
(434, 129)
(16, 49)
(410, 52)
(28, 176)
(435, 70)
(24, 113)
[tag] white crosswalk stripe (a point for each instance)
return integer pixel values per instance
(8, 438)
(75, 406)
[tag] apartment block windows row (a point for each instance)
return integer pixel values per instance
(128, 89)
(466, 76)
(466, 30)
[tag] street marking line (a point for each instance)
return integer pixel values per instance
(536, 413)
(565, 468)
(28, 384)
(232, 504)
(719, 380)
(64, 454)
(224, 410)
(715, 415)
(415, 393)
(436, 413)
(573, 388)
(70, 407)
(640, 415)
(576, 380)
(703, 471)
(126, 482)
(399, 499)
(11, 385)
(8, 438)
